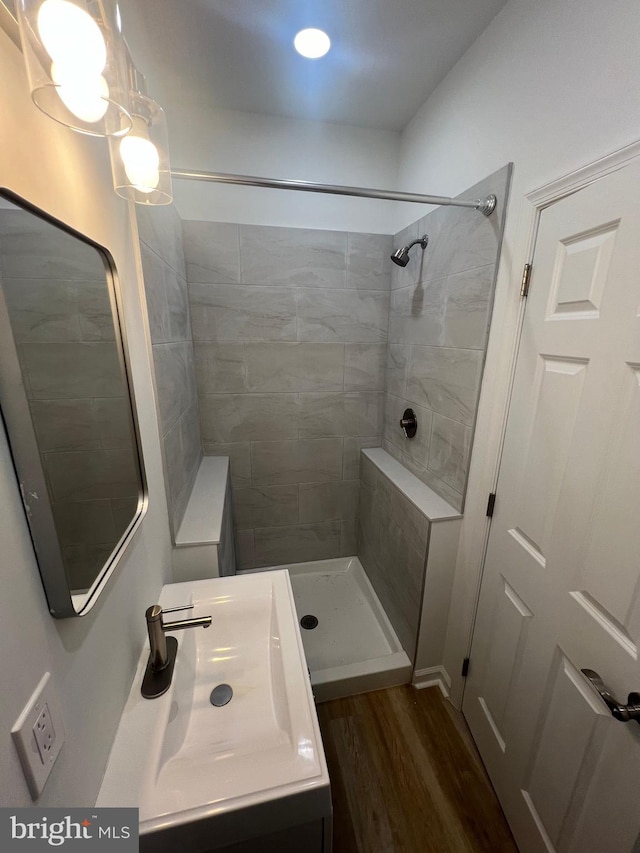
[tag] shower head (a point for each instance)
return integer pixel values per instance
(401, 256)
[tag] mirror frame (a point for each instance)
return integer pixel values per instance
(21, 439)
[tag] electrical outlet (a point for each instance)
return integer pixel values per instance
(44, 733)
(38, 734)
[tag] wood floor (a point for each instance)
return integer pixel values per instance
(406, 778)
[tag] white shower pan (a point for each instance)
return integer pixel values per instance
(354, 648)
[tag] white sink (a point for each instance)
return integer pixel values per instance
(182, 761)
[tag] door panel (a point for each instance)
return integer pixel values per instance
(561, 587)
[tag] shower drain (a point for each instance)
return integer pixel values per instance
(309, 622)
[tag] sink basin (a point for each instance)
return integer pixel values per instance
(184, 762)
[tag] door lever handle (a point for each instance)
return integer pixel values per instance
(624, 713)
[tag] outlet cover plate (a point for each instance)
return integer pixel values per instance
(38, 734)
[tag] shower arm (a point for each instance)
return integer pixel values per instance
(485, 205)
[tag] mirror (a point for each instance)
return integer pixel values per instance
(66, 403)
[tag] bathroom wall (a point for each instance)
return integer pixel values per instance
(287, 148)
(438, 328)
(92, 659)
(58, 301)
(289, 329)
(528, 91)
(164, 272)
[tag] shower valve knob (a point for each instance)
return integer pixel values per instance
(409, 423)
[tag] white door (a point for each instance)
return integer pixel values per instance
(561, 589)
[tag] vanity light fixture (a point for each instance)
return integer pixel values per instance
(312, 43)
(76, 63)
(140, 160)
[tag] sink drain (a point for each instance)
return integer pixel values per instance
(221, 695)
(309, 622)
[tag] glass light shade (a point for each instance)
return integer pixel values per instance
(140, 160)
(76, 63)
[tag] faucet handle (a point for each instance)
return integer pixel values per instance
(175, 609)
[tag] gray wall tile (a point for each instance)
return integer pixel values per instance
(354, 316)
(328, 501)
(239, 459)
(349, 537)
(456, 499)
(245, 549)
(123, 510)
(392, 543)
(85, 522)
(352, 413)
(297, 544)
(33, 248)
(220, 367)
(113, 422)
(248, 417)
(416, 314)
(364, 367)
(212, 251)
(164, 271)
(239, 313)
(394, 506)
(155, 293)
(161, 229)
(93, 474)
(266, 506)
(446, 380)
(368, 473)
(191, 439)
(43, 309)
(290, 327)
(438, 327)
(314, 461)
(52, 370)
(472, 240)
(292, 256)
(174, 378)
(369, 261)
(294, 366)
(416, 448)
(397, 368)
(178, 307)
(65, 424)
(94, 310)
(176, 472)
(351, 454)
(449, 452)
(468, 302)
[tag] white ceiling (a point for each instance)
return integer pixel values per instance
(387, 56)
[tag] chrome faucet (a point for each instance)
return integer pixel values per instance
(163, 650)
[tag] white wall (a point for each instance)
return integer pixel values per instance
(277, 147)
(550, 85)
(91, 659)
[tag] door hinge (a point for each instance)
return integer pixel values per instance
(526, 280)
(491, 504)
(465, 667)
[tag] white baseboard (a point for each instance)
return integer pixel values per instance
(432, 676)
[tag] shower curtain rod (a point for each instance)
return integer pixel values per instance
(484, 205)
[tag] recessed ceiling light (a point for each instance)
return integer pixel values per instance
(312, 43)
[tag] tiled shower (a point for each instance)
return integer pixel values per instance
(290, 350)
(290, 329)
